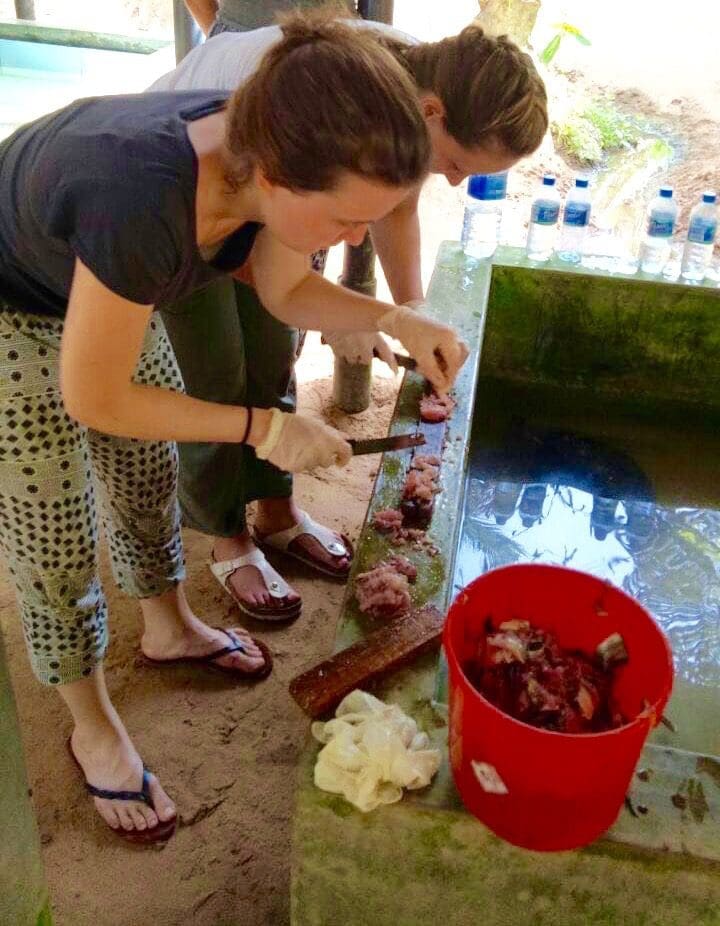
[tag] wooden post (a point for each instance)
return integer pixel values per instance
(351, 382)
(25, 9)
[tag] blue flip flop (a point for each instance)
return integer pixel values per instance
(209, 660)
(161, 832)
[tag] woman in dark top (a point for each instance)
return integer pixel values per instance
(485, 107)
(110, 209)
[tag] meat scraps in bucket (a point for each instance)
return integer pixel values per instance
(525, 673)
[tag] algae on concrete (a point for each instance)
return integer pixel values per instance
(426, 860)
(23, 895)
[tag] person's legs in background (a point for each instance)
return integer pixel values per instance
(271, 350)
(231, 350)
(218, 480)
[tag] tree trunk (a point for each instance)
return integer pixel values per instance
(515, 18)
(25, 9)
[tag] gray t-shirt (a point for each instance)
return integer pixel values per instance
(249, 14)
(229, 59)
(112, 181)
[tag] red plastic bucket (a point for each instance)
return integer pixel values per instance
(535, 788)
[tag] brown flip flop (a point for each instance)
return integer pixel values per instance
(159, 833)
(209, 659)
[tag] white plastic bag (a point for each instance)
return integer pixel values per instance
(372, 752)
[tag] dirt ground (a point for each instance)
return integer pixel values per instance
(226, 752)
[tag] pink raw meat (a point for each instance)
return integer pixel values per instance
(387, 520)
(403, 565)
(383, 592)
(435, 408)
(423, 460)
(421, 484)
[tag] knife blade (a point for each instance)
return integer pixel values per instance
(384, 444)
(402, 360)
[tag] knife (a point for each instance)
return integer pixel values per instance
(383, 444)
(402, 360)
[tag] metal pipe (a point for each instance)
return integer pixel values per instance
(187, 32)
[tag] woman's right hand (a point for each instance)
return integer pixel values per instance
(438, 350)
(296, 443)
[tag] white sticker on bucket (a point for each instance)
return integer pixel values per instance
(488, 777)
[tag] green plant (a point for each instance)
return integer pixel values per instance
(579, 138)
(551, 49)
(615, 129)
(597, 128)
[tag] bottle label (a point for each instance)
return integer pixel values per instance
(702, 230)
(577, 214)
(544, 213)
(488, 186)
(495, 186)
(661, 226)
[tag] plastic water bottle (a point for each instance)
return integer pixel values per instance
(701, 238)
(661, 218)
(543, 221)
(483, 214)
(576, 218)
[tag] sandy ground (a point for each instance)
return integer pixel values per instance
(227, 753)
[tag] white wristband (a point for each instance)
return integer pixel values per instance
(277, 422)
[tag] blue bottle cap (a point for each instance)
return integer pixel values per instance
(709, 197)
(548, 180)
(582, 183)
(666, 192)
(488, 186)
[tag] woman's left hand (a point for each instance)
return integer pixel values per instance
(360, 347)
(438, 350)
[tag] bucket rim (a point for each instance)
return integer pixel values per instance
(649, 714)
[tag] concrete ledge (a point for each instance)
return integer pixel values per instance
(25, 31)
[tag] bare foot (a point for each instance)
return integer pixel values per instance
(172, 631)
(279, 514)
(247, 582)
(110, 761)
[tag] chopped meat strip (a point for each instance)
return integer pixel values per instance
(421, 484)
(423, 460)
(387, 520)
(435, 408)
(403, 565)
(383, 592)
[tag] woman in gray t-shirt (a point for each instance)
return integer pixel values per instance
(215, 16)
(109, 209)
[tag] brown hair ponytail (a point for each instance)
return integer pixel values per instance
(327, 98)
(490, 89)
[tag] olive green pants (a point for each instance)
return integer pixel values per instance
(230, 350)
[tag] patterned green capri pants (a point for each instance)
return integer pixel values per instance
(58, 480)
